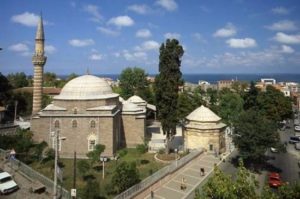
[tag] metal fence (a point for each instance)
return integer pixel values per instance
(32, 174)
(147, 182)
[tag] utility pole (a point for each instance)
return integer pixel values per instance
(74, 177)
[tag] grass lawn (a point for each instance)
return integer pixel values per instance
(145, 164)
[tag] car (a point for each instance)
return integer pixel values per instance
(297, 146)
(294, 139)
(274, 180)
(274, 150)
(7, 184)
(297, 128)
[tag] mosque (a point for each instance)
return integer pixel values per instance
(87, 113)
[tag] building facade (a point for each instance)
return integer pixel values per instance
(204, 129)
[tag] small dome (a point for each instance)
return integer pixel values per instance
(129, 107)
(136, 99)
(86, 87)
(203, 114)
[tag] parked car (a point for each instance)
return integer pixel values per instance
(274, 150)
(7, 184)
(297, 128)
(297, 146)
(294, 139)
(274, 180)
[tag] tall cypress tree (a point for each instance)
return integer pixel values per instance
(167, 84)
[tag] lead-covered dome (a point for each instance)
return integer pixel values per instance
(86, 87)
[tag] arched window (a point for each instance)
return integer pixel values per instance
(91, 142)
(56, 124)
(93, 124)
(75, 110)
(74, 123)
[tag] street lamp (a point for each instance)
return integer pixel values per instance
(103, 159)
(176, 150)
(55, 134)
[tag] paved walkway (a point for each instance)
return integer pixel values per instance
(191, 174)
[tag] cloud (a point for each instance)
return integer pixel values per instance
(280, 11)
(143, 33)
(228, 31)
(134, 56)
(241, 43)
(27, 19)
(96, 57)
(148, 45)
(287, 49)
(50, 49)
(121, 21)
(94, 12)
(108, 31)
(81, 43)
(169, 5)
(287, 39)
(170, 35)
(198, 37)
(20, 48)
(140, 9)
(284, 25)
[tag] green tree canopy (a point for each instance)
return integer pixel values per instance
(274, 105)
(250, 97)
(124, 176)
(5, 87)
(94, 155)
(230, 106)
(18, 80)
(222, 186)
(133, 81)
(254, 135)
(167, 84)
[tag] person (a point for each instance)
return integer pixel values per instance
(12, 154)
(152, 195)
(202, 171)
(183, 185)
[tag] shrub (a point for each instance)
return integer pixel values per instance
(141, 148)
(161, 151)
(122, 152)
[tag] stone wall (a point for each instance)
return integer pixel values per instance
(133, 130)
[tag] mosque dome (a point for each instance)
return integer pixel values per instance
(86, 87)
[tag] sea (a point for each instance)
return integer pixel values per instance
(214, 78)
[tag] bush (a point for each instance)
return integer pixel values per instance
(141, 148)
(122, 152)
(145, 161)
(161, 151)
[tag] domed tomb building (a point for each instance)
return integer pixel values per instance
(204, 129)
(86, 113)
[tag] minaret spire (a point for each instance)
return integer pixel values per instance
(38, 60)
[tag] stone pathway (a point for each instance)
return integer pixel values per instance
(191, 174)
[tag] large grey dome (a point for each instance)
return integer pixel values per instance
(86, 87)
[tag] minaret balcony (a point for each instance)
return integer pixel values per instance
(39, 59)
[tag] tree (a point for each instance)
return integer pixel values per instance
(222, 186)
(49, 79)
(251, 97)
(254, 135)
(230, 107)
(167, 84)
(17, 80)
(83, 167)
(5, 87)
(274, 105)
(124, 176)
(91, 189)
(94, 155)
(133, 81)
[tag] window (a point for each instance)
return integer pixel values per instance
(93, 124)
(75, 110)
(211, 147)
(92, 144)
(56, 124)
(74, 123)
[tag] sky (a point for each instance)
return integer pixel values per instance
(106, 36)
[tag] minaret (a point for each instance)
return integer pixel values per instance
(38, 60)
